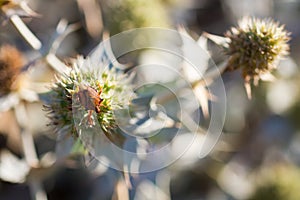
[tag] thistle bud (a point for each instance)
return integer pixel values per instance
(256, 46)
(94, 93)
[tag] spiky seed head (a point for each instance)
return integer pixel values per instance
(256, 46)
(11, 62)
(114, 90)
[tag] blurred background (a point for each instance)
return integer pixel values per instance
(257, 156)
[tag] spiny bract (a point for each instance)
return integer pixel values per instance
(63, 105)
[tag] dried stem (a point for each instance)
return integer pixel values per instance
(28, 148)
(30, 154)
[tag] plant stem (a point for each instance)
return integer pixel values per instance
(28, 148)
(30, 154)
(37, 191)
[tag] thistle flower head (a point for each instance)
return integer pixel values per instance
(256, 46)
(278, 182)
(91, 93)
(11, 61)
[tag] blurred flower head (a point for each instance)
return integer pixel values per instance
(278, 182)
(11, 62)
(89, 92)
(256, 46)
(129, 14)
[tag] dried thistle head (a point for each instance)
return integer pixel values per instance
(11, 62)
(4, 2)
(89, 93)
(256, 46)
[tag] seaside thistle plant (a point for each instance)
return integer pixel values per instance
(255, 46)
(91, 93)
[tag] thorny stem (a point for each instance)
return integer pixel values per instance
(36, 189)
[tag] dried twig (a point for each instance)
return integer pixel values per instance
(30, 154)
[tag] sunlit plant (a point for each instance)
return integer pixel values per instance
(255, 46)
